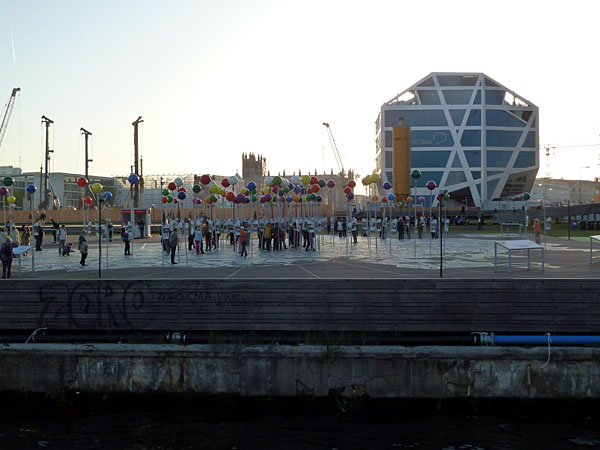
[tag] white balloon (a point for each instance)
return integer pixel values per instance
(269, 181)
(296, 180)
(178, 182)
(233, 180)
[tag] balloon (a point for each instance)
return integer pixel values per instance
(387, 185)
(296, 198)
(409, 199)
(296, 179)
(312, 197)
(175, 201)
(246, 200)
(207, 200)
(31, 188)
(274, 199)
(447, 196)
(205, 179)
(375, 178)
(526, 196)
(11, 199)
(330, 183)
(431, 185)
(169, 198)
(3, 191)
(322, 183)
(415, 174)
(305, 179)
(223, 192)
(181, 195)
(172, 186)
(266, 190)
(316, 188)
(178, 181)
(230, 196)
(350, 196)
(182, 189)
(251, 185)
(421, 199)
(319, 198)
(352, 184)
(314, 180)
(96, 188)
(213, 198)
(82, 182)
(225, 182)
(87, 200)
(195, 200)
(297, 189)
(107, 196)
(390, 197)
(196, 188)
(289, 199)
(254, 198)
(240, 198)
(233, 180)
(214, 189)
(367, 180)
(8, 181)
(347, 190)
(286, 189)
(374, 198)
(268, 197)
(133, 178)
(165, 192)
(164, 199)
(269, 181)
(384, 199)
(438, 197)
(274, 189)
(277, 180)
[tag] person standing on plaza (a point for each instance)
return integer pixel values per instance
(340, 228)
(6, 254)
(55, 228)
(355, 230)
(197, 236)
(400, 227)
(536, 231)
(81, 239)
(206, 233)
(267, 237)
(126, 238)
(62, 238)
(38, 232)
(173, 239)
(433, 227)
(83, 248)
(244, 242)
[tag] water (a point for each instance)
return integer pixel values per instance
(160, 422)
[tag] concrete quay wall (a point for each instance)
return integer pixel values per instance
(374, 371)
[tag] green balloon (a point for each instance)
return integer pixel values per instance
(286, 189)
(526, 196)
(213, 198)
(312, 197)
(322, 183)
(254, 198)
(8, 181)
(253, 191)
(276, 180)
(165, 192)
(170, 198)
(196, 188)
(415, 174)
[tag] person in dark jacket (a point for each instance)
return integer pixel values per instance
(6, 254)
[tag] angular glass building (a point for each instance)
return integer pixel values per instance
(469, 134)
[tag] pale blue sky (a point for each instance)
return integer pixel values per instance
(213, 79)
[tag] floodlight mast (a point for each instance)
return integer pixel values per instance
(336, 152)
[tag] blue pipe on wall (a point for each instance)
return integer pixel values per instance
(543, 340)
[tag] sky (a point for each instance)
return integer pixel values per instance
(214, 79)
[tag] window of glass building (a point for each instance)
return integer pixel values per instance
(424, 158)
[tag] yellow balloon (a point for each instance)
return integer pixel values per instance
(375, 178)
(409, 199)
(305, 179)
(214, 188)
(266, 190)
(11, 199)
(96, 188)
(367, 179)
(296, 198)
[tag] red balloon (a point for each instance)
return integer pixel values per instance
(384, 199)
(230, 196)
(347, 190)
(314, 180)
(88, 200)
(172, 186)
(205, 179)
(165, 199)
(352, 184)
(316, 188)
(182, 189)
(82, 182)
(274, 189)
(437, 197)
(224, 182)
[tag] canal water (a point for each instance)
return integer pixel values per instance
(73, 421)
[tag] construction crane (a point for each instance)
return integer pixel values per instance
(336, 152)
(7, 113)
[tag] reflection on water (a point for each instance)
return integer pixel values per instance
(160, 422)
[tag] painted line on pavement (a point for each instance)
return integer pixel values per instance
(233, 273)
(308, 271)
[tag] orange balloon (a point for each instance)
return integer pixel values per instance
(352, 184)
(409, 199)
(296, 198)
(374, 198)
(207, 200)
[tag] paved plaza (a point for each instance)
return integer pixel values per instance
(464, 256)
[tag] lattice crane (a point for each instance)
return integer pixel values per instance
(7, 113)
(336, 152)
